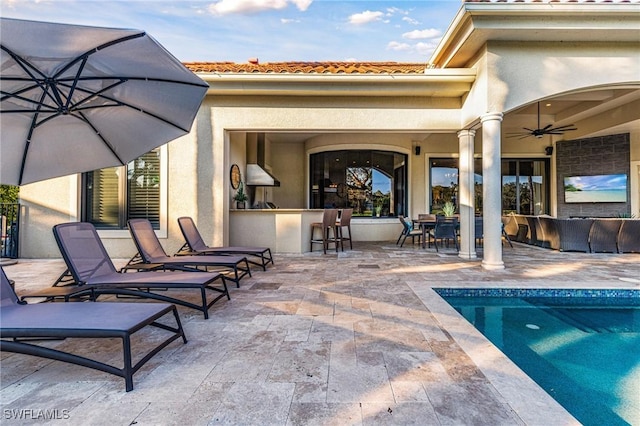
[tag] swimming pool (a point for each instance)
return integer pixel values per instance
(581, 346)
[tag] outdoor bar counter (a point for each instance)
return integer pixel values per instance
(289, 230)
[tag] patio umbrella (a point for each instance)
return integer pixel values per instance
(76, 98)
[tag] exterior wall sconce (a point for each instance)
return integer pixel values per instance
(548, 150)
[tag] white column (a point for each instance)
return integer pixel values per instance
(491, 191)
(466, 194)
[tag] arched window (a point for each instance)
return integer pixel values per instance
(373, 183)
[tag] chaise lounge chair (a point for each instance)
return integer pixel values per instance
(21, 324)
(94, 273)
(151, 255)
(195, 245)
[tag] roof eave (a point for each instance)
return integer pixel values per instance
(476, 23)
(434, 82)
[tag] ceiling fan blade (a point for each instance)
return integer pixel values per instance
(565, 127)
(547, 127)
(529, 130)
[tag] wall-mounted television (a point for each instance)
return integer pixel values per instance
(595, 189)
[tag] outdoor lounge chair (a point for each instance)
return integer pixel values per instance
(22, 324)
(195, 245)
(94, 273)
(151, 255)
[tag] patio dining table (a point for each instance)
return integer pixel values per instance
(425, 226)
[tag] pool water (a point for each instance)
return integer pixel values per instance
(581, 346)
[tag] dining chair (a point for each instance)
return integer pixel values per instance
(445, 230)
(409, 231)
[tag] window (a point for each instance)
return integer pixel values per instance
(525, 185)
(445, 180)
(525, 188)
(114, 195)
(373, 183)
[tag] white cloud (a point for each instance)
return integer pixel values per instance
(410, 20)
(394, 45)
(289, 21)
(365, 17)
(302, 4)
(425, 48)
(227, 7)
(422, 34)
(394, 10)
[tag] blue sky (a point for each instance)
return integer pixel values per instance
(270, 30)
(598, 183)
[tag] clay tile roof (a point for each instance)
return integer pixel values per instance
(308, 67)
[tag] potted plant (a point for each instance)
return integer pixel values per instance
(448, 209)
(240, 196)
(378, 210)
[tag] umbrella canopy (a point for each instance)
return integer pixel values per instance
(76, 98)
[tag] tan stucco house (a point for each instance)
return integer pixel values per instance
(501, 68)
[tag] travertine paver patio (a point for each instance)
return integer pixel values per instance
(348, 339)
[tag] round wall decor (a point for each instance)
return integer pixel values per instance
(235, 177)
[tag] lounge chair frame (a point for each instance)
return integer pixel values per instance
(91, 268)
(151, 255)
(195, 245)
(45, 321)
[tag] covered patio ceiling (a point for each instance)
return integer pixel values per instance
(598, 112)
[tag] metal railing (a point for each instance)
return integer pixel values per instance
(9, 230)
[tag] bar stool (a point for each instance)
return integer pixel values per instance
(329, 220)
(344, 222)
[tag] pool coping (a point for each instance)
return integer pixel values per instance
(532, 404)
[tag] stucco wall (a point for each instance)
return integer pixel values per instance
(522, 72)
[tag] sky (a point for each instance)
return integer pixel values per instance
(269, 30)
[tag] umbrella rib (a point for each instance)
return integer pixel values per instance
(107, 144)
(28, 67)
(75, 83)
(23, 63)
(28, 140)
(84, 56)
(120, 103)
(159, 80)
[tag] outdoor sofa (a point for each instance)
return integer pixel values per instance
(589, 235)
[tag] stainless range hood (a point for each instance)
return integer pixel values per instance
(257, 176)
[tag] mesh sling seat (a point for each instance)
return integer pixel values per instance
(151, 255)
(195, 245)
(94, 273)
(21, 325)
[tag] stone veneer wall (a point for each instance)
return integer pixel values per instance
(604, 155)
